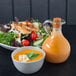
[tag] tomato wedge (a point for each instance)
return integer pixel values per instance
(26, 42)
(33, 35)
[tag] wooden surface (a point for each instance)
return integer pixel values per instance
(71, 13)
(40, 9)
(57, 8)
(22, 9)
(5, 11)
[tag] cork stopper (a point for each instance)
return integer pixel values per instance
(56, 22)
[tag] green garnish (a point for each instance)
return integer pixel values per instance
(6, 38)
(32, 55)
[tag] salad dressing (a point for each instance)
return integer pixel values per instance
(56, 46)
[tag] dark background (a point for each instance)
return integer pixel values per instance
(42, 10)
(38, 9)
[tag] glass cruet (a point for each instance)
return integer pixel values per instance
(56, 46)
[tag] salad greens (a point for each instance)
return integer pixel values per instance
(32, 55)
(42, 36)
(6, 38)
(40, 41)
(13, 37)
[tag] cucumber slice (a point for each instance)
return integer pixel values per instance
(38, 42)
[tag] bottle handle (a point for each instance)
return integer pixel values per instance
(51, 21)
(46, 21)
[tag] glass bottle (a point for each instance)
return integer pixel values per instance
(56, 46)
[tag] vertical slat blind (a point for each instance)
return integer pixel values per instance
(57, 8)
(71, 19)
(22, 9)
(38, 9)
(5, 11)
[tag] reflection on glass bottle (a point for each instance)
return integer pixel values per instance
(56, 46)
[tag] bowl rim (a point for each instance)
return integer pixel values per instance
(12, 47)
(44, 54)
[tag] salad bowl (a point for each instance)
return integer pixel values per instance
(12, 47)
(8, 47)
(24, 33)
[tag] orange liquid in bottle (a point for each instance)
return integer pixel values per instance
(56, 46)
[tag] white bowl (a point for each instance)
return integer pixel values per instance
(28, 67)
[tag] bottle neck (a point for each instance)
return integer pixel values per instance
(57, 30)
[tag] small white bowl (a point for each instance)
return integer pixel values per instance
(28, 67)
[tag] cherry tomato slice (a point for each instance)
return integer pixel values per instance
(33, 35)
(26, 42)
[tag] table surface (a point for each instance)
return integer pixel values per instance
(64, 69)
